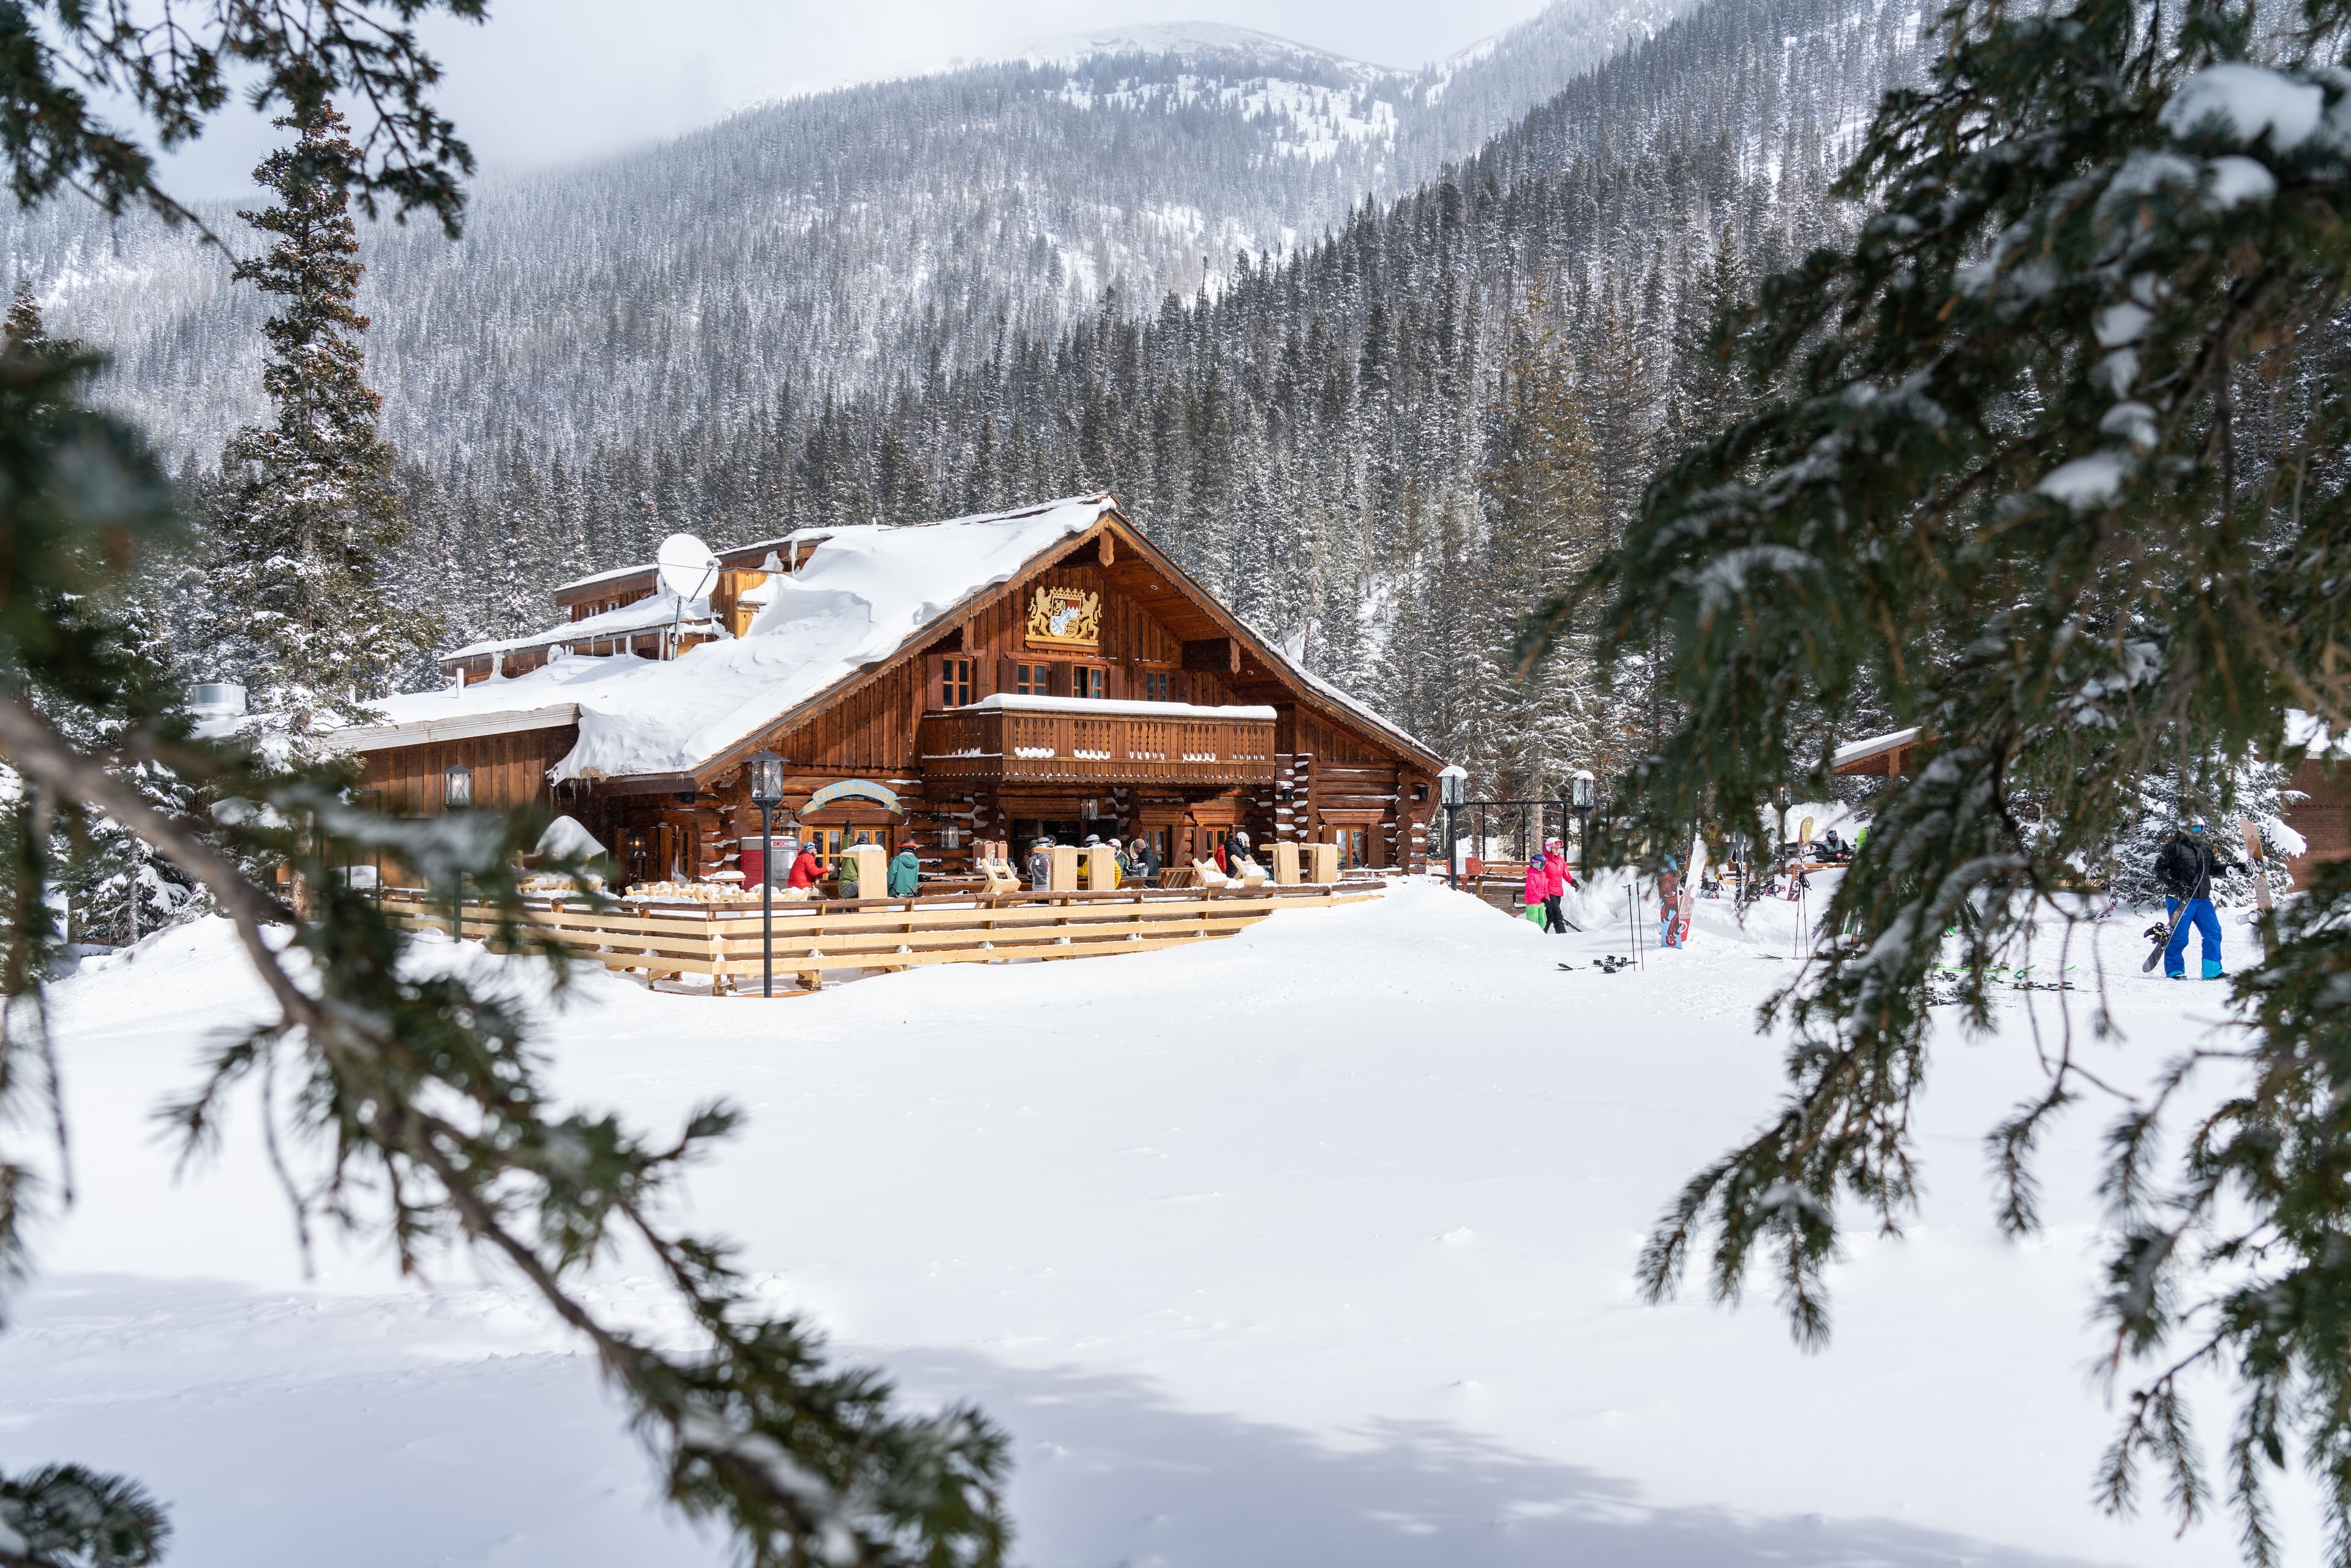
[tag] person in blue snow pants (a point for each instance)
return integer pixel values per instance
(2186, 868)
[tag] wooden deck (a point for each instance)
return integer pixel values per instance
(879, 934)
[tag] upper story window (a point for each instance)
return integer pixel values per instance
(1158, 686)
(1032, 680)
(954, 683)
(1089, 681)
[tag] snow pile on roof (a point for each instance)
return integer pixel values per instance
(658, 612)
(855, 601)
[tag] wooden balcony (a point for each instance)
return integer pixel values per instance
(1074, 746)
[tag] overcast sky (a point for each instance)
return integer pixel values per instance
(549, 81)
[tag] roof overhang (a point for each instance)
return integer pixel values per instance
(1875, 753)
(458, 726)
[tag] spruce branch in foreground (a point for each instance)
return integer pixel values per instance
(2048, 461)
(401, 1098)
(414, 1093)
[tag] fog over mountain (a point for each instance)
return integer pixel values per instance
(824, 240)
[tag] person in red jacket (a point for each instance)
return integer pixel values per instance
(806, 871)
(1557, 880)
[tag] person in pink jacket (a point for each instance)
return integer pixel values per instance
(1536, 894)
(1557, 880)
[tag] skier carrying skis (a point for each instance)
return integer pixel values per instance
(2186, 868)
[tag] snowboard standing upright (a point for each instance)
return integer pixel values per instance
(1687, 904)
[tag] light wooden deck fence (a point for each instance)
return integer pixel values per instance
(881, 934)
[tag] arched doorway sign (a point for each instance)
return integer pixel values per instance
(853, 789)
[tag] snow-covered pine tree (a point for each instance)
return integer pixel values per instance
(1547, 521)
(2010, 466)
(116, 889)
(1708, 391)
(310, 520)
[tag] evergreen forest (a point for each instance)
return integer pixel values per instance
(1336, 434)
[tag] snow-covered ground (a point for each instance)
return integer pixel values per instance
(1311, 1245)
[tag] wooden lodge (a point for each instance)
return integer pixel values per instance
(1040, 672)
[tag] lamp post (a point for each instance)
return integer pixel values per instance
(767, 793)
(458, 795)
(1452, 788)
(1580, 791)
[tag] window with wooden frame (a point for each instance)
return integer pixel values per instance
(1157, 685)
(1354, 847)
(1032, 680)
(1089, 681)
(955, 682)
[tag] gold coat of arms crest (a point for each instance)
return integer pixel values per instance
(1065, 618)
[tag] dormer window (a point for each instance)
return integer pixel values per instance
(954, 683)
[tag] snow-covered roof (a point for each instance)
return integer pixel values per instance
(418, 725)
(615, 575)
(853, 603)
(1873, 746)
(641, 615)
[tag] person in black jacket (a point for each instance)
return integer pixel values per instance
(2186, 868)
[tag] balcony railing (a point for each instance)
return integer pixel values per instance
(990, 744)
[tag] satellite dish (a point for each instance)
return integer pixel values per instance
(686, 567)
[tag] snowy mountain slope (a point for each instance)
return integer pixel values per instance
(830, 242)
(1311, 1246)
(1199, 42)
